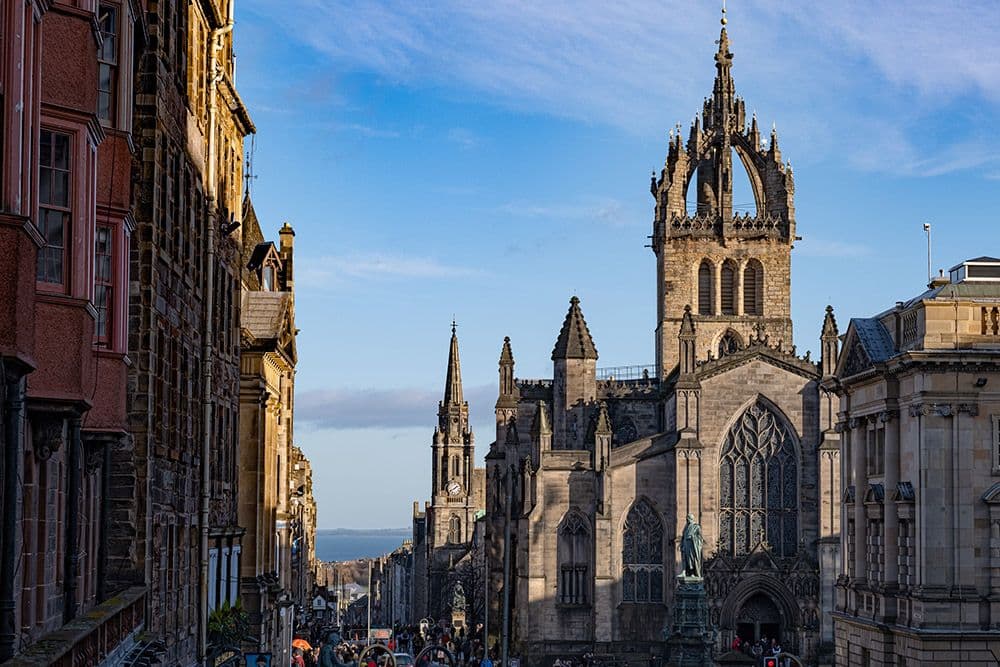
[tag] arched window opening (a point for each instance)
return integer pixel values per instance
(454, 529)
(454, 465)
(705, 300)
(444, 471)
(728, 288)
(642, 555)
(753, 288)
(758, 485)
(729, 343)
(744, 201)
(574, 560)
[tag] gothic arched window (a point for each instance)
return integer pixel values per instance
(642, 555)
(758, 485)
(573, 554)
(728, 288)
(454, 529)
(705, 301)
(729, 343)
(753, 288)
(454, 465)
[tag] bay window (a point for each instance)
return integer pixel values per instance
(54, 208)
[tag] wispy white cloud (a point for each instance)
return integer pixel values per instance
(642, 64)
(606, 211)
(378, 408)
(335, 270)
(464, 137)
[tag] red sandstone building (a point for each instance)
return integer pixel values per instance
(65, 194)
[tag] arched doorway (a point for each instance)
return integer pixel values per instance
(759, 618)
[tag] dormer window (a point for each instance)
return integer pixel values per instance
(267, 279)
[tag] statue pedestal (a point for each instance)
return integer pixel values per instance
(690, 639)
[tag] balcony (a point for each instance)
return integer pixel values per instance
(103, 635)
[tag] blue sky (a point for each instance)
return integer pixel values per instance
(488, 160)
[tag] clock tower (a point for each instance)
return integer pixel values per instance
(452, 506)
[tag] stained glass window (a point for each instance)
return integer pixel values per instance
(758, 477)
(642, 555)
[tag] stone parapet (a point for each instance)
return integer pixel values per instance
(101, 636)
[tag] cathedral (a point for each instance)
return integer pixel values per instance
(592, 474)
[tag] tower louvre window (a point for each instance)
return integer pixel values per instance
(705, 288)
(728, 288)
(753, 288)
(573, 554)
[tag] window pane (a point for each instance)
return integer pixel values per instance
(60, 157)
(45, 154)
(60, 189)
(656, 586)
(45, 185)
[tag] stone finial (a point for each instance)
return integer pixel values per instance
(603, 424)
(830, 324)
(540, 424)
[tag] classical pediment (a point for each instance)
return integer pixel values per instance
(866, 344)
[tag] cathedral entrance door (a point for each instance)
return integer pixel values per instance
(759, 617)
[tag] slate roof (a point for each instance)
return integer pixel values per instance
(263, 313)
(874, 338)
(574, 340)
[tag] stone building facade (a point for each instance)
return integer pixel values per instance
(919, 416)
(65, 225)
(267, 386)
(442, 532)
(176, 491)
(592, 473)
(303, 527)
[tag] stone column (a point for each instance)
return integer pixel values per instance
(716, 288)
(858, 427)
(738, 306)
(890, 422)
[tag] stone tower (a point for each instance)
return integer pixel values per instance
(574, 379)
(452, 485)
(732, 269)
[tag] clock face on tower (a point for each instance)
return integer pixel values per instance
(453, 488)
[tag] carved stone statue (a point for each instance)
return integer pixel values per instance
(691, 543)
(458, 597)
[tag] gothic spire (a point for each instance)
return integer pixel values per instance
(507, 397)
(453, 381)
(574, 340)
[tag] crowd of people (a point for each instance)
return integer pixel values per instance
(761, 648)
(456, 648)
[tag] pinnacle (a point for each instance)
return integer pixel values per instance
(829, 324)
(540, 424)
(687, 322)
(574, 340)
(506, 355)
(603, 425)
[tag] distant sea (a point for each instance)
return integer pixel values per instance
(348, 544)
